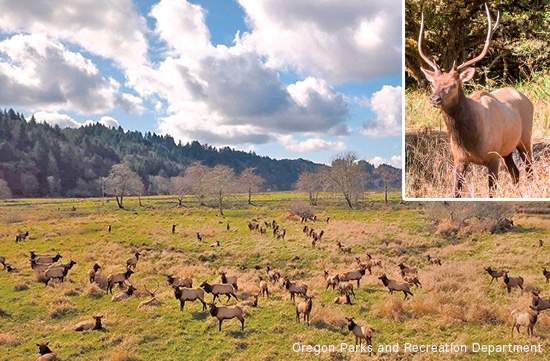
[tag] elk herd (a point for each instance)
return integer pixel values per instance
(49, 270)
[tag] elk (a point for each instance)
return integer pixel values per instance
(484, 128)
(46, 354)
(153, 301)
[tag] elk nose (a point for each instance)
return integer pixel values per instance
(436, 99)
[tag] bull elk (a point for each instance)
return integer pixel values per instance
(485, 127)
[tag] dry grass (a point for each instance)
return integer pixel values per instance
(8, 339)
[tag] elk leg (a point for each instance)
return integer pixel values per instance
(493, 176)
(460, 171)
(512, 169)
(527, 157)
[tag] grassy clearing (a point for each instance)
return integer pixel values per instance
(429, 164)
(456, 304)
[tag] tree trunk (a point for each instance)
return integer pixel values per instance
(249, 195)
(139, 198)
(119, 202)
(221, 204)
(348, 200)
(385, 193)
(180, 202)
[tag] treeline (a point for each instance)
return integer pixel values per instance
(38, 160)
(456, 30)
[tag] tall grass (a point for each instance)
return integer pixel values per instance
(429, 164)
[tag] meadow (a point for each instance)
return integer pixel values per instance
(429, 163)
(456, 304)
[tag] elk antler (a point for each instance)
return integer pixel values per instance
(155, 291)
(489, 37)
(426, 59)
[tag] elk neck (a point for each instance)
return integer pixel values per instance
(461, 122)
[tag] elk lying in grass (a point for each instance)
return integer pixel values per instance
(226, 313)
(39, 261)
(179, 282)
(251, 302)
(92, 274)
(346, 289)
(540, 304)
(343, 249)
(90, 325)
(153, 302)
(332, 281)
(21, 237)
(343, 300)
(546, 274)
(527, 319)
(46, 354)
(189, 294)
(360, 332)
(273, 275)
(353, 276)
(512, 282)
(294, 288)
(131, 262)
(395, 286)
(219, 289)
(486, 127)
(125, 294)
(304, 308)
(118, 278)
(57, 272)
(495, 275)
(433, 260)
(264, 290)
(232, 280)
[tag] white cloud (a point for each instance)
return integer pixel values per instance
(37, 72)
(131, 103)
(54, 118)
(387, 105)
(309, 145)
(395, 161)
(339, 40)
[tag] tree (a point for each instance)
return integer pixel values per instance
(312, 184)
(220, 182)
(455, 30)
(159, 184)
(5, 191)
(195, 177)
(346, 176)
(250, 182)
(180, 187)
(122, 181)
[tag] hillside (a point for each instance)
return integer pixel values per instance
(39, 160)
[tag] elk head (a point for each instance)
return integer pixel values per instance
(447, 86)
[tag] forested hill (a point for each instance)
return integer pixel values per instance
(37, 159)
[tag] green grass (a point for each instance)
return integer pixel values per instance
(440, 312)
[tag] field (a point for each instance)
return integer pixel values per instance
(456, 303)
(429, 164)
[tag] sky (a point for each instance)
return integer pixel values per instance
(283, 78)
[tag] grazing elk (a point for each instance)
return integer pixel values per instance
(484, 127)
(21, 237)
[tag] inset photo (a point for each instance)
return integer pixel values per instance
(477, 100)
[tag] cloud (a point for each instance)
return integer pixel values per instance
(54, 118)
(37, 72)
(309, 145)
(395, 161)
(130, 103)
(387, 105)
(360, 40)
(111, 29)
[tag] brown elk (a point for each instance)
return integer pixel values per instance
(484, 128)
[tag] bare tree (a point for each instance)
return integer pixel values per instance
(346, 176)
(220, 182)
(159, 184)
(5, 191)
(195, 179)
(250, 182)
(122, 181)
(312, 184)
(181, 187)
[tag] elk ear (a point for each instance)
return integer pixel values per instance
(429, 74)
(467, 75)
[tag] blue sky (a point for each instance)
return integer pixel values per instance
(285, 78)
